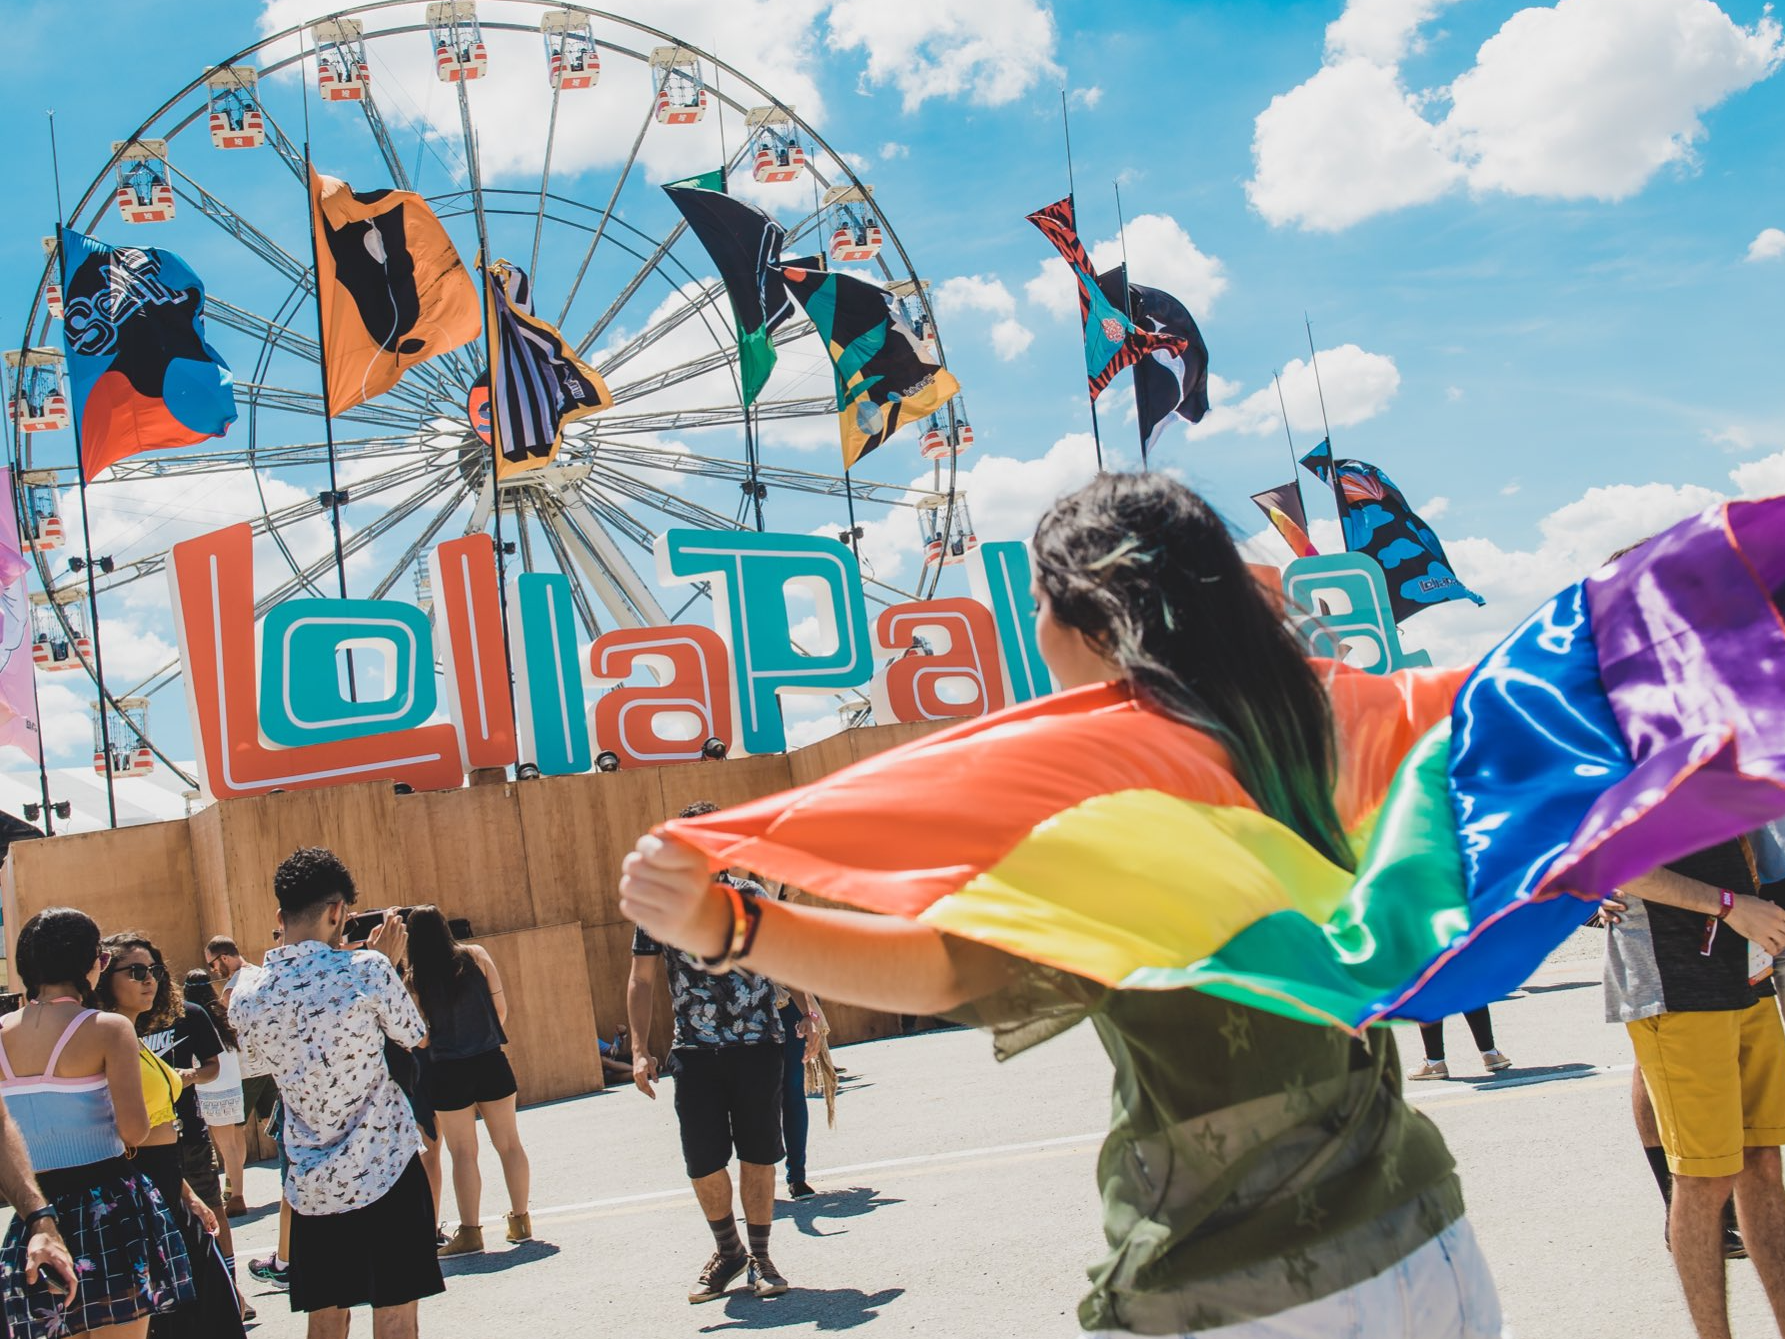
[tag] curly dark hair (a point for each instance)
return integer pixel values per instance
(170, 1000)
(1150, 574)
(310, 876)
(698, 808)
(57, 945)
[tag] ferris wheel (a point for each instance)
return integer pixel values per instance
(387, 94)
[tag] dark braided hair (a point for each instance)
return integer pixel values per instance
(1147, 571)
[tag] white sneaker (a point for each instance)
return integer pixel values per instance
(1496, 1061)
(1431, 1069)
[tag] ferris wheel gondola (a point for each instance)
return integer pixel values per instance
(646, 313)
(572, 60)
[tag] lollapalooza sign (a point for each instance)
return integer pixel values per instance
(268, 712)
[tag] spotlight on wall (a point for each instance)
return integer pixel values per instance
(607, 761)
(527, 771)
(63, 808)
(403, 788)
(33, 812)
(714, 749)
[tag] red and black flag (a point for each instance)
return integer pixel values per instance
(1169, 381)
(393, 291)
(1283, 506)
(536, 383)
(884, 381)
(1112, 341)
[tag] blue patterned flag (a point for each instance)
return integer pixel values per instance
(1377, 521)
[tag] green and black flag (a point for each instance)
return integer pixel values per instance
(745, 244)
(883, 379)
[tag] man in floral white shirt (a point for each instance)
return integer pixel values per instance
(362, 1228)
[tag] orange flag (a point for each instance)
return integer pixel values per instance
(393, 291)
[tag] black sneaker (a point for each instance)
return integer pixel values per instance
(800, 1190)
(1733, 1247)
(264, 1271)
(765, 1280)
(717, 1277)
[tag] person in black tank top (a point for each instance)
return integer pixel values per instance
(468, 1074)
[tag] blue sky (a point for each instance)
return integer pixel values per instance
(1522, 234)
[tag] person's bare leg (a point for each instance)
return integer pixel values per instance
(130, 1329)
(232, 1147)
(1642, 1111)
(505, 1136)
(458, 1130)
(283, 1249)
(1760, 1208)
(396, 1322)
(329, 1324)
(756, 1187)
(430, 1164)
(1696, 1223)
(714, 1193)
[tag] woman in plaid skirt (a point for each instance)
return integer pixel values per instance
(73, 1085)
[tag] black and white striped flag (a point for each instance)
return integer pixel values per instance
(537, 383)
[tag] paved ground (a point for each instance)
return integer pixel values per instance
(958, 1199)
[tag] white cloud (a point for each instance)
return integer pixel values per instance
(1768, 244)
(1760, 478)
(1453, 393)
(991, 51)
(1582, 99)
(1088, 98)
(1358, 384)
(1160, 254)
(1432, 510)
(978, 293)
(893, 149)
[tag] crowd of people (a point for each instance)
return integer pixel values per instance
(1263, 1176)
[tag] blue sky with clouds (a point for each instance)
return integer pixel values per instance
(1532, 240)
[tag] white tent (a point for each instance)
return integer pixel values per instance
(154, 798)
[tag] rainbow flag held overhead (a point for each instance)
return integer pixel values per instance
(1636, 717)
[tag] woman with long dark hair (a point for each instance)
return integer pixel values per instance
(468, 1074)
(73, 1086)
(1262, 1176)
(171, 1038)
(220, 1100)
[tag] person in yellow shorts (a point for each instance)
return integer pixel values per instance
(1688, 971)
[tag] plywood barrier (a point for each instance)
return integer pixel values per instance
(534, 866)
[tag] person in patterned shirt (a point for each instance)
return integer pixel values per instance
(726, 1059)
(362, 1216)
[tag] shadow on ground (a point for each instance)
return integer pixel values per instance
(1559, 985)
(1520, 1075)
(850, 1203)
(498, 1259)
(826, 1310)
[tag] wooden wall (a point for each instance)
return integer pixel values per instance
(534, 866)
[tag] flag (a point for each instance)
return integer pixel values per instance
(1282, 505)
(142, 375)
(1112, 342)
(745, 244)
(1621, 726)
(18, 680)
(1377, 521)
(1169, 380)
(883, 379)
(536, 383)
(393, 291)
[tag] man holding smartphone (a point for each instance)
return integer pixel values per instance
(362, 1230)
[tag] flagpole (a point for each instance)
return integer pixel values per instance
(328, 416)
(80, 462)
(1332, 455)
(1295, 471)
(750, 441)
(22, 517)
(1072, 196)
(1128, 311)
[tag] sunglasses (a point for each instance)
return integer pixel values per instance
(141, 972)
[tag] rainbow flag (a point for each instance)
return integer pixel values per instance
(1636, 717)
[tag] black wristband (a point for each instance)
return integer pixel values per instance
(47, 1211)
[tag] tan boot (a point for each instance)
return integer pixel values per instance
(468, 1240)
(520, 1226)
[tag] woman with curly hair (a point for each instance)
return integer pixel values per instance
(73, 1085)
(172, 1036)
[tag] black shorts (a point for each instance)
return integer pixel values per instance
(454, 1085)
(381, 1255)
(727, 1099)
(199, 1159)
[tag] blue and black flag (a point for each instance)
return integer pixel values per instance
(1174, 378)
(1378, 522)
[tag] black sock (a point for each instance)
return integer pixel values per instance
(1663, 1177)
(1729, 1220)
(725, 1236)
(759, 1239)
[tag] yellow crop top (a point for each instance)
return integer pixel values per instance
(161, 1087)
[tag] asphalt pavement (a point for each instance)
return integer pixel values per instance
(958, 1198)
